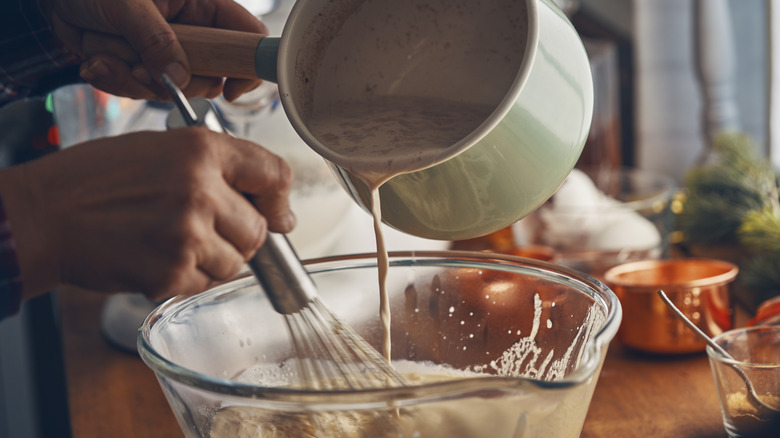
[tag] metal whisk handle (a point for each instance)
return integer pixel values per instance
(276, 265)
(282, 276)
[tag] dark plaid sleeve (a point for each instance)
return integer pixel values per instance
(10, 278)
(32, 60)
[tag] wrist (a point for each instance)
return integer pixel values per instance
(10, 278)
(36, 249)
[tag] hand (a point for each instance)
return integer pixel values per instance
(162, 213)
(144, 25)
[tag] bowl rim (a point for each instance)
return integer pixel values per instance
(739, 332)
(594, 351)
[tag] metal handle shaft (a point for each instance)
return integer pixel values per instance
(284, 279)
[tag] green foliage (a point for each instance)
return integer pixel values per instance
(760, 276)
(733, 201)
(721, 195)
(760, 231)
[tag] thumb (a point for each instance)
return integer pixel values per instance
(152, 37)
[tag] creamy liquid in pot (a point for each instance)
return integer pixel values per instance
(389, 85)
(389, 136)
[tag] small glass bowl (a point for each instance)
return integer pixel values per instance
(755, 351)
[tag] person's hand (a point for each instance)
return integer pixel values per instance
(144, 25)
(162, 213)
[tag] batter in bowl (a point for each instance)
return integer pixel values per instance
(452, 419)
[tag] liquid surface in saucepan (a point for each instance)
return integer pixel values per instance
(390, 135)
(391, 87)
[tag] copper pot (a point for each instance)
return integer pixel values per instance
(700, 288)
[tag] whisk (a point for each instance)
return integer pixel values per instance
(330, 355)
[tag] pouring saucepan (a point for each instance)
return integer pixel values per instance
(523, 58)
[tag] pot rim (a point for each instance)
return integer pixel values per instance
(727, 274)
(286, 70)
(594, 351)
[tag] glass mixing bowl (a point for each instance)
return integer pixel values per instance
(521, 340)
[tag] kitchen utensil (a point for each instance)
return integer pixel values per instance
(701, 288)
(329, 353)
(763, 410)
(461, 314)
(523, 59)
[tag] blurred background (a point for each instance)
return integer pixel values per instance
(670, 76)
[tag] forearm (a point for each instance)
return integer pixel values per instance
(32, 59)
(10, 278)
(24, 227)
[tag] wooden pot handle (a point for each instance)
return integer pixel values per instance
(219, 52)
(210, 51)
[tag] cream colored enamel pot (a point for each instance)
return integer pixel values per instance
(523, 58)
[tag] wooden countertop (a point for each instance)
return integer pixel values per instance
(113, 393)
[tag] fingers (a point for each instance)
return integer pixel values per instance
(220, 260)
(188, 268)
(160, 49)
(210, 252)
(231, 15)
(277, 211)
(239, 222)
(227, 14)
(150, 46)
(265, 178)
(149, 34)
(234, 88)
(114, 76)
(153, 276)
(238, 227)
(185, 260)
(114, 66)
(163, 213)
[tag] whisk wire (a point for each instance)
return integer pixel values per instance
(331, 355)
(303, 362)
(327, 351)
